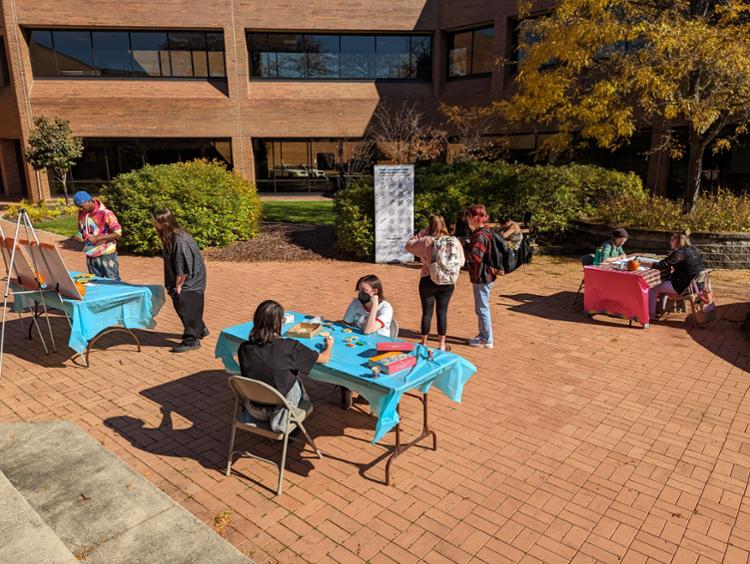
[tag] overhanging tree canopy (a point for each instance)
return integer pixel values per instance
(596, 69)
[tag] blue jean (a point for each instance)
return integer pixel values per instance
(482, 309)
(105, 266)
(276, 416)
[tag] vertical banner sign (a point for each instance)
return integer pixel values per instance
(394, 212)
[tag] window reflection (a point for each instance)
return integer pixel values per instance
(315, 165)
(470, 52)
(328, 56)
(127, 53)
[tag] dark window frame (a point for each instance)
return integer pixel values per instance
(262, 36)
(4, 67)
(470, 57)
(131, 74)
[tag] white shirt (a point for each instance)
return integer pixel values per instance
(356, 314)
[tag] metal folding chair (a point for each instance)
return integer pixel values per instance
(261, 393)
(394, 329)
(586, 260)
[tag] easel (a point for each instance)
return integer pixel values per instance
(11, 267)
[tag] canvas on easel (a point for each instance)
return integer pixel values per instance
(53, 269)
(24, 275)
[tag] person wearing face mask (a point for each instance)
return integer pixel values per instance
(369, 311)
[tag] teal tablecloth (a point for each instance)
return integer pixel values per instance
(106, 304)
(348, 367)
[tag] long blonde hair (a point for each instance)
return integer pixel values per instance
(437, 227)
(682, 239)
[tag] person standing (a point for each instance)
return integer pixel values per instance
(99, 230)
(442, 257)
(184, 278)
(481, 274)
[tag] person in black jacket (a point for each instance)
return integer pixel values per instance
(684, 263)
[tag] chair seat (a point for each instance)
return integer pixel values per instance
(264, 427)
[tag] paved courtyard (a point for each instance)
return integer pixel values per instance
(576, 440)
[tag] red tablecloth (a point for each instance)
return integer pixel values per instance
(619, 293)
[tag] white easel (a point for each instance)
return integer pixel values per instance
(11, 267)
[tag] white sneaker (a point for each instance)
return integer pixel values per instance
(479, 342)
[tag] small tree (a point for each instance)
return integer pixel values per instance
(474, 126)
(52, 146)
(595, 71)
(403, 135)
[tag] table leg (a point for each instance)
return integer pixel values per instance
(398, 448)
(93, 341)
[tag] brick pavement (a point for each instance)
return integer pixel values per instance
(577, 440)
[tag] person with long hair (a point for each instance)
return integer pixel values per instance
(683, 264)
(442, 255)
(276, 361)
(184, 278)
(481, 274)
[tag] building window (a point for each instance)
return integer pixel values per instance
(140, 54)
(470, 52)
(103, 159)
(296, 56)
(4, 71)
(316, 165)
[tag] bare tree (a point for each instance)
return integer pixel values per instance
(474, 127)
(403, 135)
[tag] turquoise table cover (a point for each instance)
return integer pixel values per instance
(106, 304)
(349, 367)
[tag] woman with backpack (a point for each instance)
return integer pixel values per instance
(442, 257)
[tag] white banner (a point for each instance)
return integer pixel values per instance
(394, 212)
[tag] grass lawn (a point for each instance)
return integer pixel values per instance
(65, 225)
(299, 211)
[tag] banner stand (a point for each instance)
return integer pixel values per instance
(394, 212)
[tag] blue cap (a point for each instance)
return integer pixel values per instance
(81, 197)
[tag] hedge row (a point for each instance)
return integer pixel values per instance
(554, 195)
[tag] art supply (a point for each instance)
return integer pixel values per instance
(288, 318)
(325, 334)
(402, 346)
(393, 362)
(347, 330)
(304, 330)
(375, 371)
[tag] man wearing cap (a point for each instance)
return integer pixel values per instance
(612, 250)
(99, 231)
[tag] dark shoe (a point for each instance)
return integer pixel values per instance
(185, 347)
(205, 333)
(347, 399)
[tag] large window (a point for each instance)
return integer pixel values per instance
(103, 159)
(340, 57)
(287, 165)
(4, 72)
(470, 52)
(180, 54)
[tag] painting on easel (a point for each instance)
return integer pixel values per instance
(52, 268)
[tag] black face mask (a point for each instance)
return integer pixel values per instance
(364, 298)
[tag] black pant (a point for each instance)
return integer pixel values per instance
(189, 306)
(431, 294)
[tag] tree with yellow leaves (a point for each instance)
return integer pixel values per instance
(596, 70)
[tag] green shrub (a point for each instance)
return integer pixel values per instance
(722, 211)
(215, 205)
(554, 195)
(42, 211)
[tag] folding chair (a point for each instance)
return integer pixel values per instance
(394, 329)
(586, 260)
(691, 293)
(261, 393)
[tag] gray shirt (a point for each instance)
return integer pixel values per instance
(184, 258)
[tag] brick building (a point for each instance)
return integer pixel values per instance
(280, 93)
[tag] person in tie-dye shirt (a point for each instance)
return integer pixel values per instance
(99, 230)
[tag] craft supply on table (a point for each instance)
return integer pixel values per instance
(402, 346)
(346, 330)
(83, 278)
(304, 330)
(288, 318)
(392, 362)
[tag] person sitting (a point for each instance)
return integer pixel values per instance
(612, 250)
(684, 263)
(369, 311)
(511, 232)
(276, 361)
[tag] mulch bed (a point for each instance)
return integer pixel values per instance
(283, 242)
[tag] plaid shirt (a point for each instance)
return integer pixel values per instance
(479, 248)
